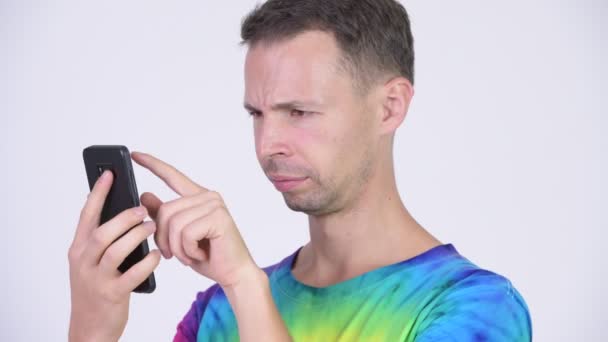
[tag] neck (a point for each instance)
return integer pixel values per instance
(374, 231)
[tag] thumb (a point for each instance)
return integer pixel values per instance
(152, 203)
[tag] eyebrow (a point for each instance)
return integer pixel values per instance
(280, 106)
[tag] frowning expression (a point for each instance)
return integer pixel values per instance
(310, 125)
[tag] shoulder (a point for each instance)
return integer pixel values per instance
(212, 299)
(471, 303)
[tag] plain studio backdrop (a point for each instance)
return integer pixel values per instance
(503, 153)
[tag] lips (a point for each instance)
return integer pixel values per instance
(286, 183)
(284, 178)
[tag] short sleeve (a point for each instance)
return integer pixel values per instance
(187, 329)
(481, 307)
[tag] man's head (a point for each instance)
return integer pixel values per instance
(328, 83)
(374, 36)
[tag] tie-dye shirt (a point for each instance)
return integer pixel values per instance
(438, 295)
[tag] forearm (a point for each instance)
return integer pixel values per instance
(90, 324)
(75, 334)
(257, 316)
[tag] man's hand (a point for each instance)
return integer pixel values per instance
(196, 228)
(99, 292)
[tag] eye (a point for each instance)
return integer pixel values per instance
(254, 114)
(297, 112)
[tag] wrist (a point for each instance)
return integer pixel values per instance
(251, 282)
(78, 336)
(254, 308)
(82, 332)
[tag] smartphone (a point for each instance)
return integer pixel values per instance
(122, 196)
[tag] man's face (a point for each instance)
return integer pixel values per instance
(309, 122)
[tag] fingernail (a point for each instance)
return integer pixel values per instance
(104, 176)
(150, 226)
(141, 211)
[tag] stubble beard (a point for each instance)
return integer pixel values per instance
(327, 197)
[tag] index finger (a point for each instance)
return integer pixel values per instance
(176, 180)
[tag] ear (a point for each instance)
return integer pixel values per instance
(397, 95)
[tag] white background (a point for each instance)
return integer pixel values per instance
(503, 153)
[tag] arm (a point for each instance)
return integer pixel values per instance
(257, 315)
(199, 231)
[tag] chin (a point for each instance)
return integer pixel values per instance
(310, 206)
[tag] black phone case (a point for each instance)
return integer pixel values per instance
(123, 195)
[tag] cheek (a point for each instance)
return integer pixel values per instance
(328, 148)
(350, 145)
(314, 147)
(311, 145)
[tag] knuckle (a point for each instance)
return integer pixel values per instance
(97, 238)
(211, 204)
(73, 255)
(212, 200)
(161, 214)
(139, 232)
(220, 208)
(188, 235)
(172, 222)
(220, 204)
(85, 213)
(147, 224)
(110, 257)
(133, 213)
(211, 195)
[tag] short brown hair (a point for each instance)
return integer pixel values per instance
(374, 35)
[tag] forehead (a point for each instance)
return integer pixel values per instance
(304, 65)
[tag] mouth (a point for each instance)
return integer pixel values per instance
(284, 184)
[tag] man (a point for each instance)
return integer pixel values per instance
(327, 83)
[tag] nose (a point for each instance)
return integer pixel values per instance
(272, 135)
